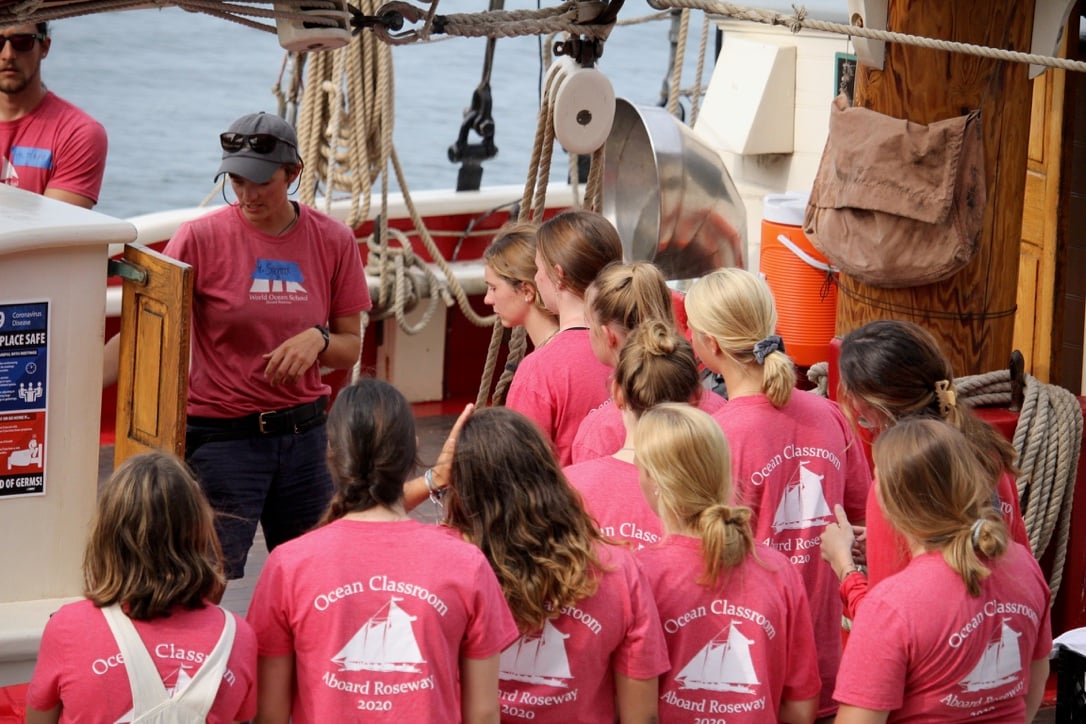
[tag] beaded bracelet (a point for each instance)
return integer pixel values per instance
(436, 494)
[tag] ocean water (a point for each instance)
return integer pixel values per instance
(165, 82)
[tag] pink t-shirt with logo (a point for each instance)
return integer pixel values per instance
(888, 552)
(602, 432)
(377, 616)
(251, 292)
(612, 495)
(925, 650)
(739, 648)
(791, 465)
(56, 146)
(80, 666)
(565, 673)
(557, 385)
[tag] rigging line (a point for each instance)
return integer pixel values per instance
(799, 21)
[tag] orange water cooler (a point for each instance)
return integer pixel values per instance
(798, 275)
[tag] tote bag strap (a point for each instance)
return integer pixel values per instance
(147, 688)
(198, 697)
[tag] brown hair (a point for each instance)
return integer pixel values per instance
(152, 544)
(656, 364)
(512, 257)
(508, 496)
(683, 451)
(581, 243)
(895, 368)
(932, 488)
(630, 294)
(372, 447)
(735, 307)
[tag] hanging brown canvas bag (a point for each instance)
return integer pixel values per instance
(896, 203)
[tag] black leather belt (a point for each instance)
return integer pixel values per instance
(290, 420)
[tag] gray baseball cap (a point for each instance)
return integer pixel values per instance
(258, 143)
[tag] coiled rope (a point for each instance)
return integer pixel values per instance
(345, 131)
(1048, 440)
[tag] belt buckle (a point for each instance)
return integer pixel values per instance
(262, 421)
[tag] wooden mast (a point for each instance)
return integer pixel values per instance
(972, 313)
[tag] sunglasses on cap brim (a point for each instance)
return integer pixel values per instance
(262, 143)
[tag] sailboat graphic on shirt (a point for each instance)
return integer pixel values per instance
(723, 664)
(385, 642)
(803, 504)
(276, 276)
(998, 665)
(180, 682)
(537, 658)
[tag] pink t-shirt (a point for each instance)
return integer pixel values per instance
(791, 466)
(925, 650)
(888, 552)
(602, 432)
(612, 495)
(79, 664)
(56, 146)
(557, 385)
(739, 648)
(565, 672)
(251, 292)
(377, 616)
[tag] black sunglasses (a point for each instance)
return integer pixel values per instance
(21, 42)
(261, 143)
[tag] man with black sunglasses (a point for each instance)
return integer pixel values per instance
(47, 145)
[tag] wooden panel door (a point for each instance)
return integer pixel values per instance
(1034, 322)
(152, 377)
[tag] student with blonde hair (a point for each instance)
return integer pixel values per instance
(622, 297)
(655, 365)
(591, 648)
(374, 616)
(148, 639)
(892, 370)
(963, 631)
(557, 386)
(794, 454)
(509, 271)
(737, 621)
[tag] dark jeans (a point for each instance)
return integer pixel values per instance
(280, 481)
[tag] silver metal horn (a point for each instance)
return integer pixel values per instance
(669, 195)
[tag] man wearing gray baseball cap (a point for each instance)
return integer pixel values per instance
(278, 293)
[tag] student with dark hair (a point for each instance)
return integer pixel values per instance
(963, 632)
(737, 621)
(374, 616)
(892, 370)
(148, 638)
(591, 647)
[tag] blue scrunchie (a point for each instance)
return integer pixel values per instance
(767, 346)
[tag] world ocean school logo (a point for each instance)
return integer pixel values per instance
(275, 277)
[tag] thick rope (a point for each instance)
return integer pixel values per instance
(699, 88)
(799, 21)
(533, 204)
(677, 67)
(1048, 440)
